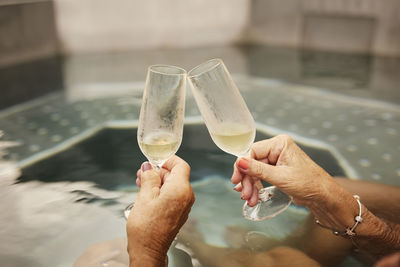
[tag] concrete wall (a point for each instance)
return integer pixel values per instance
(103, 75)
(365, 26)
(27, 31)
(104, 25)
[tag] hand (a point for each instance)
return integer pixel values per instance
(282, 163)
(160, 210)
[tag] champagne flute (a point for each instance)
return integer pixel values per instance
(232, 128)
(161, 117)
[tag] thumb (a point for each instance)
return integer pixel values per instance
(150, 182)
(258, 169)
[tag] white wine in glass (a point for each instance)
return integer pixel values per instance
(234, 138)
(159, 146)
(161, 117)
(232, 127)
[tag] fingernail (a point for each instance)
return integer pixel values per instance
(236, 187)
(146, 166)
(243, 163)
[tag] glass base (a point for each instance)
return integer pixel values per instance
(272, 202)
(127, 210)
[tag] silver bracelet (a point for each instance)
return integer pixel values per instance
(349, 231)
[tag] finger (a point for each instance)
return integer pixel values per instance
(163, 174)
(139, 173)
(236, 176)
(254, 197)
(258, 184)
(247, 190)
(138, 179)
(238, 187)
(172, 162)
(266, 172)
(178, 169)
(150, 183)
(261, 149)
(176, 184)
(270, 148)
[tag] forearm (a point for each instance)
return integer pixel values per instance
(373, 235)
(382, 200)
(386, 242)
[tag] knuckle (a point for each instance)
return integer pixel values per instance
(153, 175)
(186, 166)
(150, 179)
(285, 137)
(258, 170)
(253, 151)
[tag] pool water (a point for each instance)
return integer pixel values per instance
(68, 158)
(75, 197)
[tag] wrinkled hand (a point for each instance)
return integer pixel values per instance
(161, 208)
(282, 163)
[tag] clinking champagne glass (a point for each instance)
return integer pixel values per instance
(161, 117)
(232, 128)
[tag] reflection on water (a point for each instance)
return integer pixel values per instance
(343, 70)
(71, 200)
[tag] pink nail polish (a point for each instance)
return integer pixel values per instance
(243, 164)
(146, 166)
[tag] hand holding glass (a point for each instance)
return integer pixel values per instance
(231, 127)
(161, 116)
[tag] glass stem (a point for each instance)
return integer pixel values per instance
(246, 154)
(156, 165)
(263, 193)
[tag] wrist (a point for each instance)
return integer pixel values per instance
(338, 212)
(147, 260)
(372, 227)
(336, 208)
(147, 255)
